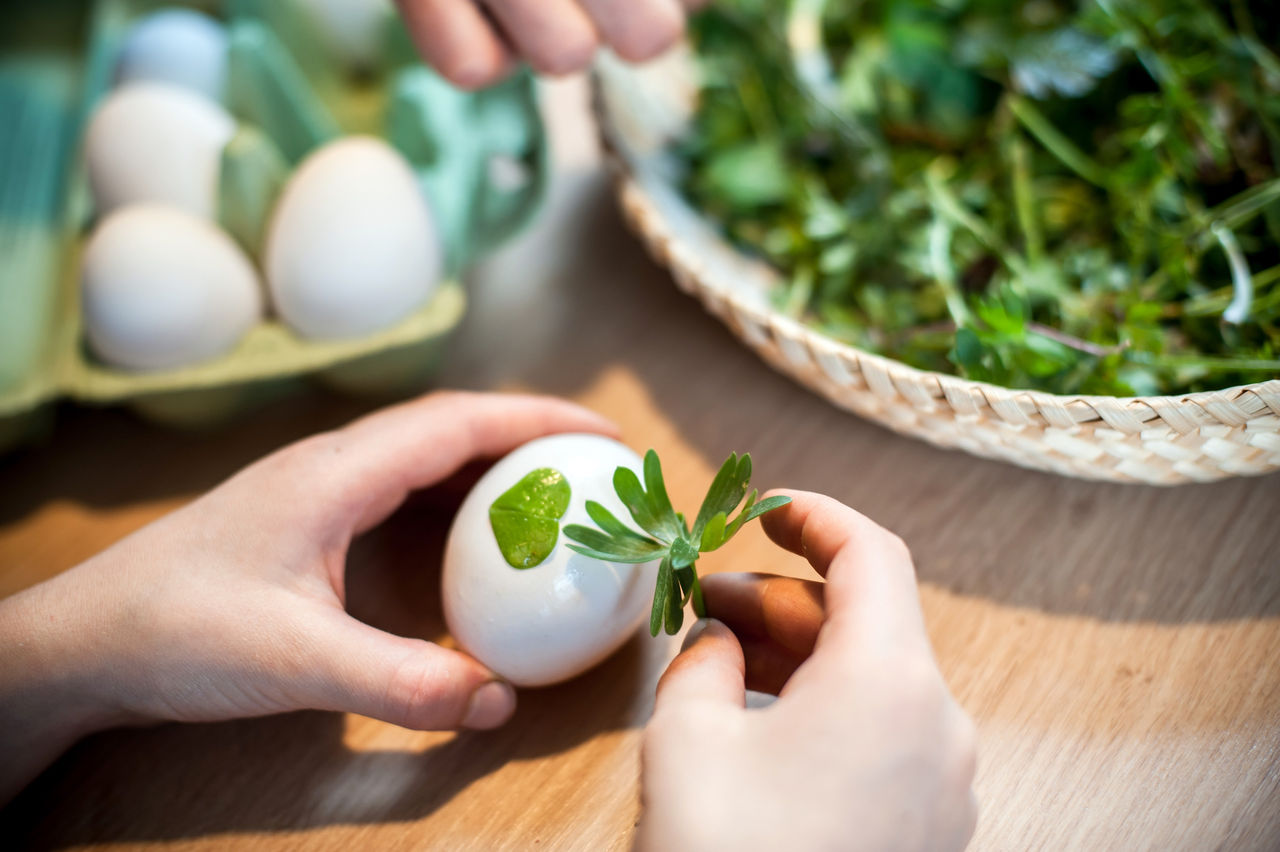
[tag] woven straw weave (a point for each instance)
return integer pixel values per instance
(1161, 440)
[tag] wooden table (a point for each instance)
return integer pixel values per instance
(1119, 646)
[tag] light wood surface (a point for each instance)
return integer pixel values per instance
(1119, 646)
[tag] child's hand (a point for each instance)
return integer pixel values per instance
(474, 42)
(865, 747)
(233, 605)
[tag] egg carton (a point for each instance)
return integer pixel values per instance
(480, 158)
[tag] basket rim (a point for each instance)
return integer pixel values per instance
(1233, 406)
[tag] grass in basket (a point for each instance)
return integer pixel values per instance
(1077, 197)
(666, 535)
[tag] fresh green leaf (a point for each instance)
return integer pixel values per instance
(683, 554)
(675, 612)
(696, 600)
(525, 518)
(610, 557)
(713, 534)
(614, 527)
(613, 556)
(732, 527)
(661, 597)
(749, 175)
(669, 525)
(768, 504)
(632, 494)
(726, 492)
(684, 581)
(632, 548)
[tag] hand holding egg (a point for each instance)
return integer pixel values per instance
(233, 606)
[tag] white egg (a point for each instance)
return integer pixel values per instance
(354, 29)
(352, 246)
(156, 142)
(163, 289)
(178, 46)
(548, 623)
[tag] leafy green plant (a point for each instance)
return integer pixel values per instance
(667, 536)
(1077, 197)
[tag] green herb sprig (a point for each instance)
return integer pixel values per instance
(670, 538)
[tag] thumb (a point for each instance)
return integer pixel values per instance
(416, 684)
(709, 668)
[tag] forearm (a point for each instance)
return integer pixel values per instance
(49, 697)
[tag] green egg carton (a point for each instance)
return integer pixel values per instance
(285, 86)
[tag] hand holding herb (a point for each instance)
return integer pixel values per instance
(865, 710)
(669, 537)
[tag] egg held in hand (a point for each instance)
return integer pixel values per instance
(564, 612)
(352, 246)
(163, 289)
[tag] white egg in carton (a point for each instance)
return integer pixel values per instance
(351, 246)
(213, 200)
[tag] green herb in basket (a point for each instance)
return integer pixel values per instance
(1075, 197)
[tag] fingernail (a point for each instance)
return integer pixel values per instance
(694, 632)
(491, 705)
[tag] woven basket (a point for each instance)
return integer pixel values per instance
(1162, 440)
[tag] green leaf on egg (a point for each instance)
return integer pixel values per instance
(526, 517)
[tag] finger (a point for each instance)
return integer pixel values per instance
(769, 666)
(709, 668)
(379, 459)
(555, 36)
(354, 668)
(455, 39)
(777, 620)
(637, 30)
(783, 610)
(871, 592)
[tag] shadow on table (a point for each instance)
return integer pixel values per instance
(177, 781)
(105, 457)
